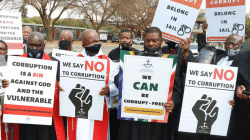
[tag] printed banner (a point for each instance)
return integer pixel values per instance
(225, 17)
(145, 87)
(82, 79)
(30, 96)
(11, 32)
(205, 107)
(57, 53)
(120, 101)
(176, 18)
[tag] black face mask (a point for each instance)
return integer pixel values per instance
(125, 48)
(171, 44)
(152, 50)
(94, 49)
(34, 53)
(64, 44)
(6, 58)
(24, 41)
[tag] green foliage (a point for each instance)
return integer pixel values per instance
(73, 23)
(61, 22)
(247, 26)
(109, 28)
(34, 20)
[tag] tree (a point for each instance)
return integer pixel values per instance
(97, 12)
(138, 15)
(247, 32)
(122, 16)
(24, 11)
(144, 13)
(10, 4)
(46, 8)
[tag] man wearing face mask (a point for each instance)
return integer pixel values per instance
(26, 32)
(66, 40)
(92, 48)
(233, 46)
(5, 126)
(138, 130)
(125, 44)
(65, 43)
(35, 49)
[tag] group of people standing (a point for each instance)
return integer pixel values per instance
(121, 129)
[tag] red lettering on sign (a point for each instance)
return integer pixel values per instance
(220, 75)
(102, 66)
(88, 65)
(232, 75)
(217, 72)
(191, 3)
(40, 75)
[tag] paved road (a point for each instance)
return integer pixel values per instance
(78, 48)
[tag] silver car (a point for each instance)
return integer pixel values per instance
(138, 41)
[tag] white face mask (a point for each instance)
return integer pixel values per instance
(231, 52)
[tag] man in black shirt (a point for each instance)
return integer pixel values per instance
(125, 44)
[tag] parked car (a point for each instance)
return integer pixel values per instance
(138, 41)
(115, 39)
(103, 37)
(194, 48)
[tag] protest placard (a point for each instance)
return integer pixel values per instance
(225, 17)
(11, 32)
(176, 18)
(145, 86)
(205, 107)
(57, 53)
(82, 79)
(30, 96)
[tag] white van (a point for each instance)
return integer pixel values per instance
(103, 37)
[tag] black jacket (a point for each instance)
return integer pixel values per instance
(114, 55)
(242, 61)
(179, 84)
(201, 39)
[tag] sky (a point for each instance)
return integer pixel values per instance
(32, 12)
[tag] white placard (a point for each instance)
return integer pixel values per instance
(82, 79)
(11, 31)
(146, 83)
(29, 98)
(176, 18)
(225, 18)
(205, 107)
(57, 53)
